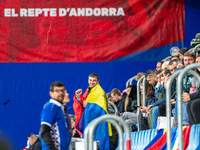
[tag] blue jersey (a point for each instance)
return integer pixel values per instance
(54, 116)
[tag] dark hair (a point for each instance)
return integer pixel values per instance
(159, 71)
(108, 95)
(150, 72)
(172, 61)
(56, 83)
(130, 86)
(32, 135)
(161, 62)
(183, 50)
(94, 75)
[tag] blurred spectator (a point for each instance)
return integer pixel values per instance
(175, 57)
(110, 107)
(159, 76)
(189, 58)
(192, 98)
(150, 99)
(161, 109)
(114, 137)
(131, 98)
(64, 102)
(158, 66)
(172, 66)
(139, 75)
(153, 80)
(130, 116)
(149, 89)
(54, 131)
(165, 66)
(34, 142)
(159, 92)
(119, 99)
(74, 132)
(181, 53)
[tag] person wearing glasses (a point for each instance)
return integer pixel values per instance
(54, 132)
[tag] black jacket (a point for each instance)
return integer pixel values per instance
(132, 100)
(120, 103)
(195, 95)
(36, 145)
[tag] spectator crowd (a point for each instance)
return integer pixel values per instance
(57, 127)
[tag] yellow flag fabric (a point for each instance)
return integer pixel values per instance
(98, 96)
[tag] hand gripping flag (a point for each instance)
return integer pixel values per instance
(97, 106)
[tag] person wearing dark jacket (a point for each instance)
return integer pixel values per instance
(34, 142)
(193, 106)
(130, 116)
(119, 99)
(131, 99)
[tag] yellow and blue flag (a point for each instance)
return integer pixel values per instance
(97, 105)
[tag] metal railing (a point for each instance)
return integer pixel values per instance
(179, 100)
(130, 81)
(114, 106)
(144, 91)
(138, 91)
(168, 104)
(114, 120)
(138, 95)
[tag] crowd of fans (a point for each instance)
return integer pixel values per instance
(145, 117)
(156, 80)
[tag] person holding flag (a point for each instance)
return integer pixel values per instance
(89, 106)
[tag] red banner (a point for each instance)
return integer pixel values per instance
(86, 31)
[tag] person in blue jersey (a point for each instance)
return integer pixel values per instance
(54, 132)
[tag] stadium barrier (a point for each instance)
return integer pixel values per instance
(179, 100)
(114, 120)
(168, 103)
(130, 81)
(114, 106)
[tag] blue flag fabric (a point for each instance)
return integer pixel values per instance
(173, 138)
(95, 108)
(159, 134)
